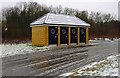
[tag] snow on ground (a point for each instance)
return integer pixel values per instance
(12, 49)
(96, 41)
(106, 39)
(93, 42)
(106, 67)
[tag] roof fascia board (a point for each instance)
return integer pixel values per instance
(60, 25)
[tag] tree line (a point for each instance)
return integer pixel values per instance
(16, 20)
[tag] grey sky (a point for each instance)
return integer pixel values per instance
(104, 6)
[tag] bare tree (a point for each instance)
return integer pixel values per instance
(98, 17)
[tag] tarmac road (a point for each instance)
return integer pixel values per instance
(57, 61)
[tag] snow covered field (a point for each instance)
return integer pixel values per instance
(12, 49)
(106, 67)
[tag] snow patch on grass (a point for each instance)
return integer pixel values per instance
(13, 49)
(106, 67)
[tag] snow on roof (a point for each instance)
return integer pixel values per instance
(59, 19)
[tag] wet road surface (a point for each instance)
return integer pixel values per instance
(56, 61)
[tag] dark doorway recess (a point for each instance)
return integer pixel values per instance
(63, 35)
(82, 34)
(53, 35)
(74, 34)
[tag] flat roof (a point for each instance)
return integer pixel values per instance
(51, 19)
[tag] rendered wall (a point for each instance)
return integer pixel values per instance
(40, 35)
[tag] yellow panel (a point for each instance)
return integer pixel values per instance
(47, 36)
(40, 35)
(78, 37)
(59, 36)
(79, 33)
(87, 35)
(69, 36)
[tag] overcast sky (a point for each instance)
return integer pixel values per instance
(104, 6)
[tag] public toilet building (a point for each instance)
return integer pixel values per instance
(59, 29)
